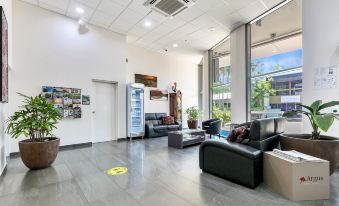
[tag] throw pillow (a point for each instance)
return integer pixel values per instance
(167, 120)
(239, 134)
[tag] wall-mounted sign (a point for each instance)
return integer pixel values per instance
(325, 77)
(290, 99)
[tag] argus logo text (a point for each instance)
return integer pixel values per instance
(310, 179)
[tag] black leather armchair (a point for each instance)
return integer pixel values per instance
(155, 128)
(240, 163)
(212, 126)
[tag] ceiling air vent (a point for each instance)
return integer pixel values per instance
(169, 7)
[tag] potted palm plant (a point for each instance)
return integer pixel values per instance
(35, 120)
(193, 116)
(315, 144)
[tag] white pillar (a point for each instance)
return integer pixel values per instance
(321, 49)
(238, 72)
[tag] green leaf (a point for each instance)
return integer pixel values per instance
(324, 122)
(291, 113)
(328, 104)
(315, 106)
(306, 107)
(294, 112)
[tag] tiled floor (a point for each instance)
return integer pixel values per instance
(157, 176)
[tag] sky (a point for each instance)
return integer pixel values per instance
(287, 60)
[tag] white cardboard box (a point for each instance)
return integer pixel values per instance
(297, 180)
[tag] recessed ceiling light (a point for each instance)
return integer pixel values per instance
(79, 10)
(175, 45)
(274, 51)
(211, 29)
(148, 24)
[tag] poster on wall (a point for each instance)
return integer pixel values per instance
(325, 77)
(66, 100)
(86, 100)
(4, 57)
(147, 80)
(161, 95)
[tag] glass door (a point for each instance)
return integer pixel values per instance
(137, 110)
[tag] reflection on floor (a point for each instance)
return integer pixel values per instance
(157, 175)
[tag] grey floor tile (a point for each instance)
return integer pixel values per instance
(106, 162)
(97, 186)
(66, 193)
(70, 156)
(153, 194)
(22, 198)
(13, 183)
(82, 168)
(186, 189)
(120, 198)
(129, 180)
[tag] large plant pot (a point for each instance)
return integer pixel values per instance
(192, 124)
(39, 155)
(325, 148)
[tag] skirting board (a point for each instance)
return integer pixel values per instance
(61, 148)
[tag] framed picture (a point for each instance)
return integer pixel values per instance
(161, 95)
(66, 100)
(147, 80)
(4, 57)
(86, 100)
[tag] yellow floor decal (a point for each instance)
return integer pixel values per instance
(117, 171)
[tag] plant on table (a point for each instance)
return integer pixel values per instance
(193, 113)
(193, 116)
(316, 116)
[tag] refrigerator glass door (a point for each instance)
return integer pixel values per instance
(137, 111)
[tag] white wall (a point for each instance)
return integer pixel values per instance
(7, 6)
(321, 49)
(168, 69)
(238, 71)
(49, 50)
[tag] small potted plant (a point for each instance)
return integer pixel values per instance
(321, 146)
(35, 120)
(193, 116)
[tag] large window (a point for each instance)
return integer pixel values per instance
(221, 81)
(276, 62)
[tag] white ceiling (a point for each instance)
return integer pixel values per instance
(189, 29)
(277, 47)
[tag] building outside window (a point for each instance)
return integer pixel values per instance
(276, 63)
(221, 82)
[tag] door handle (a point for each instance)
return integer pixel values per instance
(93, 112)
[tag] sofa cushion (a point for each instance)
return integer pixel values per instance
(167, 120)
(160, 128)
(153, 122)
(173, 127)
(160, 115)
(279, 124)
(262, 129)
(150, 116)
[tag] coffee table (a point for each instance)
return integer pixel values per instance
(183, 138)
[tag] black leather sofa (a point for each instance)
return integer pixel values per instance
(155, 128)
(240, 163)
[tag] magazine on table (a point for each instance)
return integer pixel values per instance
(296, 156)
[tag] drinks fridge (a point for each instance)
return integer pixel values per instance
(135, 111)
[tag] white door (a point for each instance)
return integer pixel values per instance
(104, 125)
